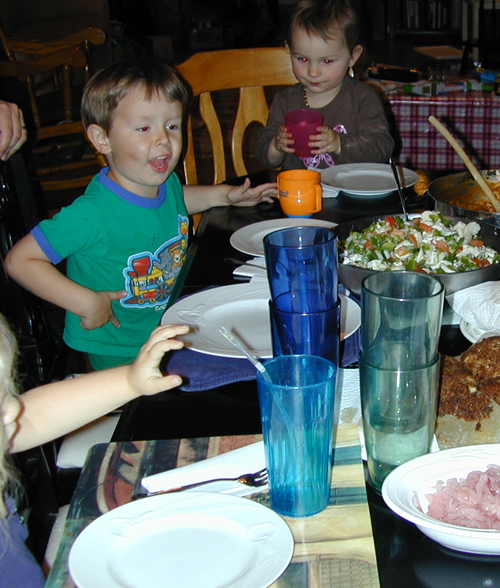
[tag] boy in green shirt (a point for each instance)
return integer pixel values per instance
(126, 238)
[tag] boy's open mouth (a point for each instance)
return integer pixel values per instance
(160, 164)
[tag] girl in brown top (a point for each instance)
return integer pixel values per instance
(323, 39)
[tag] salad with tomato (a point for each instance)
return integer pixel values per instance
(430, 243)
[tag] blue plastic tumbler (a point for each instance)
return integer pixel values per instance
(306, 333)
(302, 263)
(297, 408)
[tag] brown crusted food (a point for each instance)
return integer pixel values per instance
(483, 358)
(460, 395)
(469, 404)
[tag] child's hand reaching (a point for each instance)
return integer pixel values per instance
(244, 195)
(327, 141)
(145, 377)
(100, 311)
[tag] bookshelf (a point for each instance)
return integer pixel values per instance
(423, 16)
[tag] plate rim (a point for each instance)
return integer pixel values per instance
(159, 503)
(257, 287)
(413, 178)
(284, 222)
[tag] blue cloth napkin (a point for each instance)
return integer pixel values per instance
(200, 371)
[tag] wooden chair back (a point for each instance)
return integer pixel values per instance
(66, 131)
(249, 70)
(48, 41)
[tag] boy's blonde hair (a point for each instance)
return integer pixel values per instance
(325, 18)
(8, 383)
(107, 87)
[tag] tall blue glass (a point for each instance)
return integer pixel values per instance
(296, 409)
(302, 262)
(306, 333)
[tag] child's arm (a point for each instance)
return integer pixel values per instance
(28, 265)
(201, 198)
(53, 410)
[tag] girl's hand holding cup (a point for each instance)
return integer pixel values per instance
(283, 141)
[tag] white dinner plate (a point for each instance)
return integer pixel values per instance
(250, 239)
(366, 180)
(244, 310)
(180, 540)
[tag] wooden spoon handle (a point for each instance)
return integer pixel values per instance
(470, 166)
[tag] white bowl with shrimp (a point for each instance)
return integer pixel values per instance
(408, 485)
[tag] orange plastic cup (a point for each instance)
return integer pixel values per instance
(300, 192)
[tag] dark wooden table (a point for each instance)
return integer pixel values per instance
(405, 556)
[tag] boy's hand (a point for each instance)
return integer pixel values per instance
(327, 141)
(245, 196)
(283, 141)
(144, 374)
(100, 311)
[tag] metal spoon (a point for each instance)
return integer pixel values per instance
(398, 184)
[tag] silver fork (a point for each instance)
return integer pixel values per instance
(254, 480)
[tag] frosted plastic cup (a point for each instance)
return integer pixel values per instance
(401, 314)
(297, 422)
(300, 192)
(302, 124)
(301, 333)
(399, 410)
(302, 263)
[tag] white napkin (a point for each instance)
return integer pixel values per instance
(253, 267)
(328, 191)
(350, 402)
(232, 464)
(478, 305)
(76, 445)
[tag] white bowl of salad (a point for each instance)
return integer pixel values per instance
(459, 252)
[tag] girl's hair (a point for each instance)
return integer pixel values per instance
(107, 87)
(326, 18)
(8, 379)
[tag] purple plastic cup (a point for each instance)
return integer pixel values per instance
(302, 124)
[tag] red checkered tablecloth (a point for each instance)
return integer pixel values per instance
(473, 118)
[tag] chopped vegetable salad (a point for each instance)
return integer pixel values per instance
(430, 243)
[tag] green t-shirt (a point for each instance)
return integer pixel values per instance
(115, 240)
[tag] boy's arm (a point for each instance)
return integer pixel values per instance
(201, 198)
(29, 266)
(51, 411)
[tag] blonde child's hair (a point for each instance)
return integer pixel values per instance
(326, 18)
(8, 379)
(107, 87)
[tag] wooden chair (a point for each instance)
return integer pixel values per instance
(55, 131)
(249, 71)
(50, 42)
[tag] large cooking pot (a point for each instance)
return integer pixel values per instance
(352, 276)
(460, 195)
